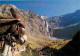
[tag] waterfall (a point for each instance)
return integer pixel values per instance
(47, 27)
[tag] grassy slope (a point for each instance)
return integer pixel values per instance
(36, 45)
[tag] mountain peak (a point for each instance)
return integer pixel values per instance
(8, 5)
(78, 11)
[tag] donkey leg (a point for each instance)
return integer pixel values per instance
(9, 51)
(6, 50)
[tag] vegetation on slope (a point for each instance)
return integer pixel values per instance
(39, 47)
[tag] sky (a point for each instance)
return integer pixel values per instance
(48, 8)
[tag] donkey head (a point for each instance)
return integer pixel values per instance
(16, 34)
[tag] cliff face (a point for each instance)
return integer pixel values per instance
(34, 24)
(65, 25)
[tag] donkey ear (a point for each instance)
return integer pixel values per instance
(21, 24)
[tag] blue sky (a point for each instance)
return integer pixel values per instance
(46, 7)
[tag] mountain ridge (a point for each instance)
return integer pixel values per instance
(60, 23)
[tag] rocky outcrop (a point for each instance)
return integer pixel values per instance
(6, 11)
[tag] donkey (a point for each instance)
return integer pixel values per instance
(16, 33)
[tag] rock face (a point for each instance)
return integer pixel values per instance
(5, 11)
(34, 24)
(65, 25)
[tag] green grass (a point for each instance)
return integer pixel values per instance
(56, 44)
(29, 51)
